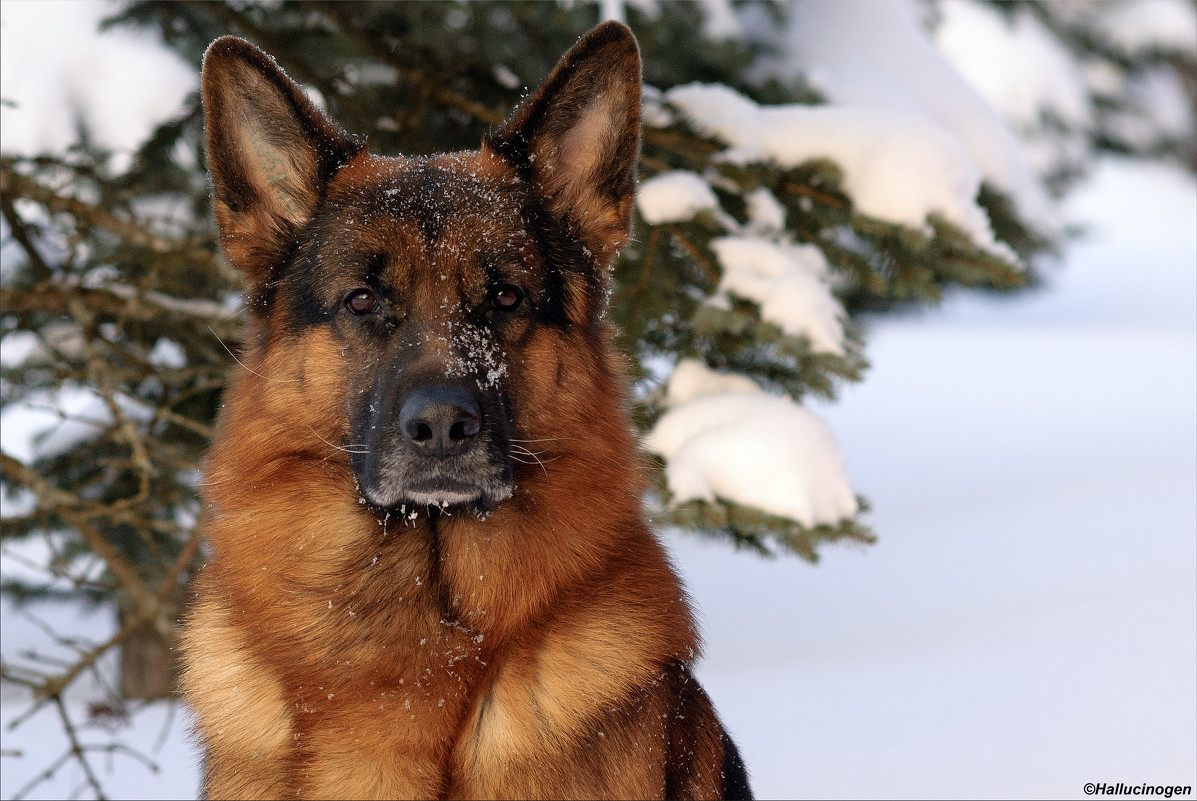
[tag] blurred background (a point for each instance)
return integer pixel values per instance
(959, 236)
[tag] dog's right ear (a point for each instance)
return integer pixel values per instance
(271, 154)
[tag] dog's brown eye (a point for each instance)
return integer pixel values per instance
(507, 297)
(362, 301)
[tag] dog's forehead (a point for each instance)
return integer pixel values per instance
(431, 193)
(460, 207)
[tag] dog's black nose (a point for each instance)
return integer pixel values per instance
(440, 421)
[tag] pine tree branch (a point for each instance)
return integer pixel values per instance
(237, 21)
(19, 229)
(114, 299)
(711, 272)
(207, 432)
(17, 185)
(54, 686)
(177, 570)
(49, 689)
(77, 750)
(339, 14)
(650, 248)
(813, 194)
(100, 376)
(44, 776)
(697, 149)
(76, 513)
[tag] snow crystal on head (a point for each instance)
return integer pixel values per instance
(475, 353)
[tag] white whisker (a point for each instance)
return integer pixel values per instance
(362, 448)
(243, 364)
(525, 452)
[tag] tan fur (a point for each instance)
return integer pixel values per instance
(337, 651)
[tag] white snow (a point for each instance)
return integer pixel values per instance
(719, 20)
(788, 281)
(875, 54)
(615, 9)
(1161, 107)
(754, 449)
(897, 167)
(1026, 622)
(1137, 25)
(55, 68)
(692, 379)
(1022, 68)
(16, 347)
(1019, 66)
(651, 110)
(168, 353)
(1024, 72)
(506, 77)
(674, 197)
(765, 213)
(48, 424)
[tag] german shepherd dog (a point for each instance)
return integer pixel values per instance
(430, 573)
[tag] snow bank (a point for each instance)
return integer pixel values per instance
(897, 167)
(876, 55)
(674, 197)
(789, 282)
(751, 448)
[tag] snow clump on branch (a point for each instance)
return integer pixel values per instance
(674, 197)
(789, 282)
(726, 439)
(897, 167)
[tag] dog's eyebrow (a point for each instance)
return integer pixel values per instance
(495, 275)
(375, 265)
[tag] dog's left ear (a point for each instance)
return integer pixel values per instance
(578, 137)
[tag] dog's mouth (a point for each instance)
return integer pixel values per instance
(408, 488)
(447, 493)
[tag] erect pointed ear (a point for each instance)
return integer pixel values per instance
(270, 154)
(578, 137)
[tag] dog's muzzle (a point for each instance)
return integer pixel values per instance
(439, 444)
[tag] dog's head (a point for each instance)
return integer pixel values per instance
(413, 308)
